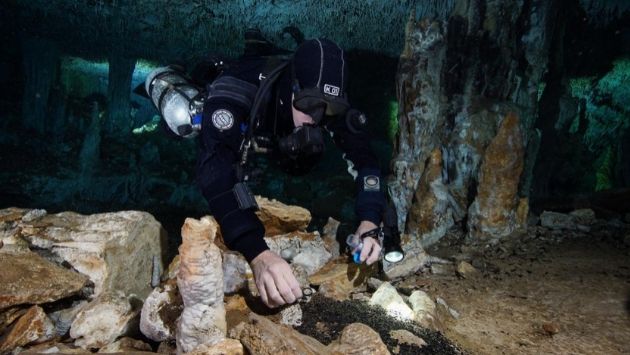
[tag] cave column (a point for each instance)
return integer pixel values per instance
(121, 69)
(40, 63)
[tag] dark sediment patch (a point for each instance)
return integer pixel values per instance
(324, 319)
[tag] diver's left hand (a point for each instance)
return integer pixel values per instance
(371, 246)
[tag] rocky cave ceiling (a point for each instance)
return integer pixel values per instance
(180, 29)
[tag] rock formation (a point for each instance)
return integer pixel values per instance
(200, 283)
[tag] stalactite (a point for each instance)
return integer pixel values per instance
(40, 59)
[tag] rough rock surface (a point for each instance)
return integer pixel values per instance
(424, 309)
(387, 297)
(493, 213)
(407, 337)
(262, 336)
(125, 345)
(63, 318)
(358, 339)
(104, 319)
(308, 249)
(279, 218)
(415, 260)
(431, 216)
(160, 311)
(329, 234)
(236, 272)
(224, 347)
(200, 283)
(338, 279)
(29, 278)
(115, 250)
(465, 269)
(33, 326)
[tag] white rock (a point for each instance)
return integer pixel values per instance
(152, 325)
(200, 282)
(387, 297)
(424, 309)
(312, 259)
(236, 272)
(292, 315)
(103, 320)
(115, 250)
(310, 249)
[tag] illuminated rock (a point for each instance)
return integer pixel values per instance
(493, 214)
(200, 283)
(309, 249)
(338, 279)
(388, 298)
(424, 309)
(357, 338)
(224, 347)
(33, 326)
(160, 311)
(279, 218)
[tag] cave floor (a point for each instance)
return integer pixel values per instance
(544, 292)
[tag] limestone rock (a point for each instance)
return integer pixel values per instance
(292, 315)
(29, 278)
(263, 337)
(236, 272)
(451, 311)
(338, 279)
(407, 337)
(160, 312)
(33, 326)
(56, 348)
(424, 309)
(309, 248)
(125, 345)
(465, 270)
(415, 260)
(279, 218)
(556, 220)
(431, 216)
(493, 214)
(358, 339)
(236, 310)
(585, 216)
(374, 283)
(63, 318)
(9, 315)
(115, 250)
(388, 298)
(330, 236)
(224, 347)
(173, 268)
(104, 319)
(200, 283)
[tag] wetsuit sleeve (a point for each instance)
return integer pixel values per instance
(220, 141)
(364, 168)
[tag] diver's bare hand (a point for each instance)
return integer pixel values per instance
(275, 280)
(371, 247)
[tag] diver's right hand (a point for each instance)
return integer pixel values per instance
(275, 280)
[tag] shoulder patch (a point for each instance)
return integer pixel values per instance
(222, 119)
(371, 183)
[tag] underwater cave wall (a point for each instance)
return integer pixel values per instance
(482, 96)
(464, 85)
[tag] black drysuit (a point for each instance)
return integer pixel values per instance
(232, 94)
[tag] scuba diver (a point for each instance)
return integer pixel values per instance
(280, 103)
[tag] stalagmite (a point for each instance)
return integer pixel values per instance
(200, 282)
